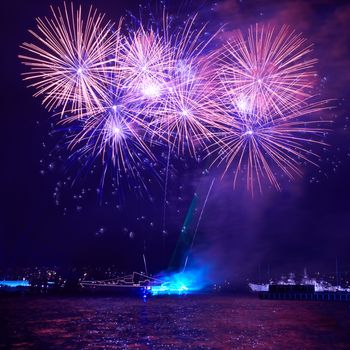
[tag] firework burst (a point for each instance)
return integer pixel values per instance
(267, 87)
(266, 149)
(268, 74)
(189, 115)
(118, 140)
(145, 63)
(71, 60)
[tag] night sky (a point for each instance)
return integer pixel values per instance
(304, 225)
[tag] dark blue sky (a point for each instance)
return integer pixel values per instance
(306, 224)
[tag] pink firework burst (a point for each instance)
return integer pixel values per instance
(266, 74)
(70, 62)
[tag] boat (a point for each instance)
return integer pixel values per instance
(306, 289)
(135, 283)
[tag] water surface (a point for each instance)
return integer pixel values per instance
(189, 322)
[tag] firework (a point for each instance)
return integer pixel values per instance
(267, 87)
(145, 63)
(111, 135)
(268, 74)
(250, 105)
(187, 109)
(267, 149)
(188, 115)
(113, 131)
(70, 63)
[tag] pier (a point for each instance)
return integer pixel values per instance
(322, 296)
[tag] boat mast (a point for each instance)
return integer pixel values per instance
(336, 271)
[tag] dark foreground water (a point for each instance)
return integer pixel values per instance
(191, 322)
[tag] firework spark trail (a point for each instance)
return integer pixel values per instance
(198, 222)
(268, 74)
(145, 263)
(166, 186)
(69, 65)
(190, 43)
